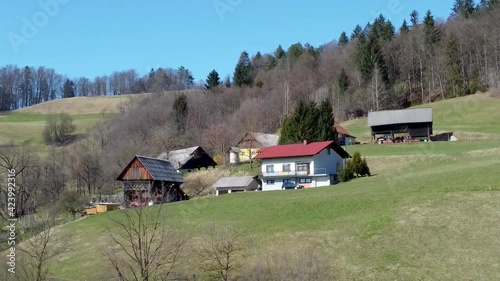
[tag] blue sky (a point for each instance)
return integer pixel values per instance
(95, 37)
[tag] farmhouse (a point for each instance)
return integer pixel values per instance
(416, 123)
(308, 164)
(227, 185)
(188, 159)
(344, 137)
(251, 143)
(149, 181)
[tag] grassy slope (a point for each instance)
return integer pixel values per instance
(432, 212)
(27, 124)
(468, 117)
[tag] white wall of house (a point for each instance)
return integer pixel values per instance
(279, 162)
(326, 162)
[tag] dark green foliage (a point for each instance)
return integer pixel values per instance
(72, 202)
(68, 89)
(325, 122)
(343, 82)
(58, 129)
(414, 18)
(271, 63)
(295, 51)
(279, 53)
(343, 39)
(453, 66)
(180, 111)
(465, 8)
(404, 29)
(309, 122)
(388, 31)
(359, 165)
(356, 32)
(186, 79)
(347, 173)
(364, 170)
(243, 71)
(432, 35)
(213, 80)
(488, 4)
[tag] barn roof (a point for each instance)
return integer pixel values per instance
(160, 170)
(234, 182)
(266, 139)
(343, 131)
(300, 150)
(179, 157)
(404, 116)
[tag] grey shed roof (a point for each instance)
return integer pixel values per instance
(266, 139)
(178, 157)
(388, 117)
(235, 182)
(161, 170)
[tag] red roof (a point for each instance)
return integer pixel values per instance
(299, 150)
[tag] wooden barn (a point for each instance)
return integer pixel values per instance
(414, 123)
(148, 181)
(188, 159)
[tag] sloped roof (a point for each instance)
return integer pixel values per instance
(234, 182)
(266, 139)
(300, 150)
(159, 169)
(404, 116)
(343, 131)
(178, 157)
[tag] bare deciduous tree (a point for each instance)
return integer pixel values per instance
(40, 249)
(223, 252)
(146, 249)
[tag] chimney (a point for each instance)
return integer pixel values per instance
(305, 142)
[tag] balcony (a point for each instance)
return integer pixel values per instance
(319, 171)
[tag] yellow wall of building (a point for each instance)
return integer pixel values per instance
(245, 153)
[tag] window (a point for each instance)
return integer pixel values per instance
(305, 180)
(303, 167)
(328, 151)
(287, 180)
(286, 167)
(270, 168)
(270, 182)
(242, 153)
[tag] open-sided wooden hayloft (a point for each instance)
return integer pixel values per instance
(149, 181)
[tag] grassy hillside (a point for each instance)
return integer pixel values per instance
(27, 124)
(428, 213)
(470, 117)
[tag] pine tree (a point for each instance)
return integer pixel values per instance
(404, 29)
(343, 39)
(68, 89)
(301, 125)
(294, 52)
(465, 8)
(243, 71)
(279, 53)
(180, 112)
(453, 66)
(362, 57)
(325, 124)
(343, 82)
(388, 31)
(356, 32)
(432, 34)
(414, 18)
(213, 80)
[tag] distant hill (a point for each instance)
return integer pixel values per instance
(80, 105)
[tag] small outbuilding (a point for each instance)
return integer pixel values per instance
(252, 143)
(148, 181)
(344, 137)
(188, 159)
(235, 184)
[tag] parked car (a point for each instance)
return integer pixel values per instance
(291, 185)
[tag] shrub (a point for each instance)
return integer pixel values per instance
(347, 173)
(364, 170)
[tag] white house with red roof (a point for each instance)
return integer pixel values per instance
(306, 164)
